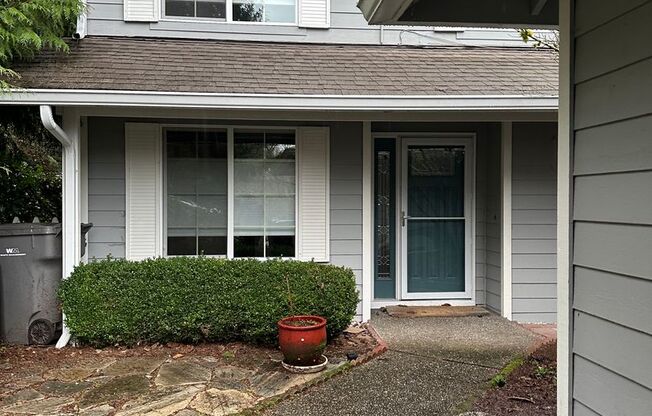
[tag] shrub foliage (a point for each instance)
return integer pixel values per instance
(193, 299)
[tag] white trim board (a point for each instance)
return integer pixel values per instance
(506, 220)
(86, 98)
(564, 210)
(367, 220)
(376, 304)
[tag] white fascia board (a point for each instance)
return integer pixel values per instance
(86, 98)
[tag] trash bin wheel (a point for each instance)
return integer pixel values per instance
(41, 332)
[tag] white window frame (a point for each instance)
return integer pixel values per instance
(229, 17)
(230, 196)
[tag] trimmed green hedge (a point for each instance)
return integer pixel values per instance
(193, 299)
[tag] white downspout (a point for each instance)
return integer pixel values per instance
(82, 23)
(70, 208)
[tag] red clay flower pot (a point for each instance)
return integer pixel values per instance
(302, 339)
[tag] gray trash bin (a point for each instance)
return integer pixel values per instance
(30, 272)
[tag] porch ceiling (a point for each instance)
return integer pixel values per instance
(222, 67)
(490, 13)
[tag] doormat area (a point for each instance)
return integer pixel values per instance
(402, 311)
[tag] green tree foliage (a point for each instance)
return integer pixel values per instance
(549, 40)
(27, 26)
(30, 167)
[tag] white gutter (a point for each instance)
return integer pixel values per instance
(69, 156)
(119, 98)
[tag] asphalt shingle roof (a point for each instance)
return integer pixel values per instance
(147, 64)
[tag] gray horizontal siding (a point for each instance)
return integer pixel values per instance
(482, 163)
(612, 275)
(106, 188)
(608, 393)
(534, 222)
(347, 26)
(596, 151)
(493, 220)
(346, 198)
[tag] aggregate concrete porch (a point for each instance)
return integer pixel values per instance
(434, 366)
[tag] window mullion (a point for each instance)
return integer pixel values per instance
(196, 194)
(229, 194)
(264, 195)
(229, 10)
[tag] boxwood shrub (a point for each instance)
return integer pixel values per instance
(193, 299)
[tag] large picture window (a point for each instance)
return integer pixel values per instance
(263, 193)
(271, 11)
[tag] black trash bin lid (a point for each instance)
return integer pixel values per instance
(29, 228)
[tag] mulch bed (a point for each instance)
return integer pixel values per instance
(530, 390)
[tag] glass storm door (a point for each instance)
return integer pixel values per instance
(436, 218)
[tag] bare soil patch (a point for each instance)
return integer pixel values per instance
(530, 390)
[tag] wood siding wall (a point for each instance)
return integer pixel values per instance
(493, 219)
(612, 203)
(106, 188)
(347, 26)
(346, 199)
(534, 222)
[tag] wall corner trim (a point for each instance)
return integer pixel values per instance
(367, 219)
(506, 220)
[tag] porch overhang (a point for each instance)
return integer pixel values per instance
(294, 102)
(542, 14)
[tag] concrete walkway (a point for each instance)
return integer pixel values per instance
(433, 367)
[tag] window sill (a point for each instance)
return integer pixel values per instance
(222, 22)
(224, 30)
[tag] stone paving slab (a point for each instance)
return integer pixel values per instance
(190, 385)
(162, 402)
(179, 373)
(114, 389)
(63, 388)
(133, 365)
(47, 406)
(218, 402)
(76, 373)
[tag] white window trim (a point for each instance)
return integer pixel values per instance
(230, 129)
(228, 19)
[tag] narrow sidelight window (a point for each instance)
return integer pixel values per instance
(385, 219)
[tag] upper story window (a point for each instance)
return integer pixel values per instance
(270, 11)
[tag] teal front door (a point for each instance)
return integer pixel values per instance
(436, 218)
